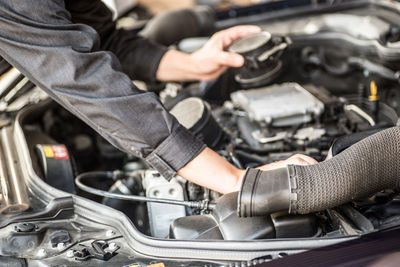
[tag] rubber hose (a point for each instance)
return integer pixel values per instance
(4, 66)
(346, 141)
(361, 170)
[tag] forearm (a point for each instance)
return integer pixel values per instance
(139, 57)
(61, 58)
(210, 170)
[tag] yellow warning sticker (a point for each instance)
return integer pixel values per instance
(157, 265)
(48, 152)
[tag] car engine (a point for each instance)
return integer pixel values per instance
(310, 85)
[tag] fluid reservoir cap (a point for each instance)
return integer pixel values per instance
(250, 43)
(261, 52)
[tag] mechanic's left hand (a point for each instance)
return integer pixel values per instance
(212, 60)
(208, 62)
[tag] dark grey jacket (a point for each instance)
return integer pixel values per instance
(71, 49)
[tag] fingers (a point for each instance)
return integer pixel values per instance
(273, 165)
(297, 159)
(213, 59)
(229, 35)
(230, 59)
(302, 160)
(206, 77)
(225, 38)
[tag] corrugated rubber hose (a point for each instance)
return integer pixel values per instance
(369, 166)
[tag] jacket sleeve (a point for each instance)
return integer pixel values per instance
(39, 39)
(138, 56)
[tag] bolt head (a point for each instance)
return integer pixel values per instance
(70, 253)
(60, 246)
(110, 233)
(41, 253)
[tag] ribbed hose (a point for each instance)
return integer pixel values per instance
(363, 169)
(367, 167)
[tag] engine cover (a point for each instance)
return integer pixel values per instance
(280, 105)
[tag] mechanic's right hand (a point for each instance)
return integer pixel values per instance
(297, 159)
(210, 170)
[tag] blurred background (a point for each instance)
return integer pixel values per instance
(137, 12)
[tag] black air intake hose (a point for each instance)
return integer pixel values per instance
(363, 169)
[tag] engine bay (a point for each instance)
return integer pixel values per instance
(310, 85)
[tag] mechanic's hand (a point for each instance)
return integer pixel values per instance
(297, 159)
(210, 170)
(212, 60)
(208, 62)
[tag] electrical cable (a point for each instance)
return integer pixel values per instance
(202, 205)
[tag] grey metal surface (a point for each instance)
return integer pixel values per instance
(161, 215)
(14, 197)
(368, 27)
(279, 105)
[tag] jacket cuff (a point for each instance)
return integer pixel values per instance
(175, 152)
(157, 52)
